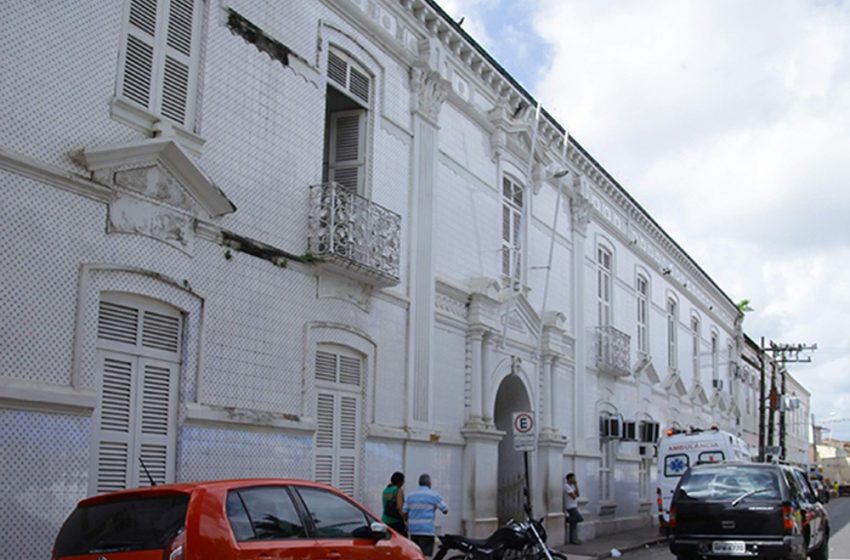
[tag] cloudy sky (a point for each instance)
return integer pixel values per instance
(729, 122)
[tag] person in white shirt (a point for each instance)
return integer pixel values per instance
(572, 516)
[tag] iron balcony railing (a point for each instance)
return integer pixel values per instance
(612, 351)
(354, 235)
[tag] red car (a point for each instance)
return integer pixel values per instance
(228, 520)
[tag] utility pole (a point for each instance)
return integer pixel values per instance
(782, 353)
(782, 407)
(761, 401)
(772, 402)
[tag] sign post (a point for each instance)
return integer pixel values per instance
(525, 440)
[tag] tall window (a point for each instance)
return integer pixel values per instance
(138, 357)
(730, 371)
(642, 313)
(512, 204)
(603, 285)
(346, 109)
(339, 380)
(672, 323)
(695, 333)
(160, 57)
(715, 357)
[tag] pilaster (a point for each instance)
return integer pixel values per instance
(580, 214)
(476, 342)
(429, 90)
(550, 461)
(480, 481)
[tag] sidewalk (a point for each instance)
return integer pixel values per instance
(601, 546)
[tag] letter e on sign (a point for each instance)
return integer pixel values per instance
(525, 433)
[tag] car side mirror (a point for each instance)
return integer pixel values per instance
(379, 530)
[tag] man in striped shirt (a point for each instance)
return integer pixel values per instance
(421, 507)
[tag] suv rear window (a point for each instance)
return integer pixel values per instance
(727, 483)
(122, 525)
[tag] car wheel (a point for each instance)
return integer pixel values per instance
(821, 552)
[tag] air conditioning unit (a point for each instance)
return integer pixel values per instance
(789, 403)
(717, 384)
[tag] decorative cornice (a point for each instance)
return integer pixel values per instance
(698, 395)
(580, 209)
(674, 384)
(430, 91)
(168, 152)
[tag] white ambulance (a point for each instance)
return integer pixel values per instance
(680, 449)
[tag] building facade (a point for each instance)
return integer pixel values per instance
(328, 240)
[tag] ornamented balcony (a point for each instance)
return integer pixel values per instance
(354, 236)
(612, 351)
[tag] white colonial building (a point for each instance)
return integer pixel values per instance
(325, 239)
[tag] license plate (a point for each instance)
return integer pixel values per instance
(729, 547)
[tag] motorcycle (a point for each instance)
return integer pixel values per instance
(518, 540)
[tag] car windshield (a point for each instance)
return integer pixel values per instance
(730, 483)
(122, 525)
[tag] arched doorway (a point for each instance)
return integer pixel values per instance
(511, 397)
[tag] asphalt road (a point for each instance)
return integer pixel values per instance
(839, 542)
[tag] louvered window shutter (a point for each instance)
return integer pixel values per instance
(326, 366)
(161, 58)
(349, 426)
(138, 74)
(347, 74)
(337, 444)
(349, 370)
(346, 160)
(138, 356)
(180, 66)
(155, 406)
(325, 454)
(116, 422)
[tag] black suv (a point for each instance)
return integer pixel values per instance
(755, 510)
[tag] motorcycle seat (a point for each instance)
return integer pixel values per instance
(478, 543)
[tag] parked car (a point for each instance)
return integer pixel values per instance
(680, 449)
(758, 510)
(228, 520)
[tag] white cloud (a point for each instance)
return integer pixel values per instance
(729, 122)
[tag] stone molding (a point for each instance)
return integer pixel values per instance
(430, 91)
(198, 413)
(107, 163)
(44, 397)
